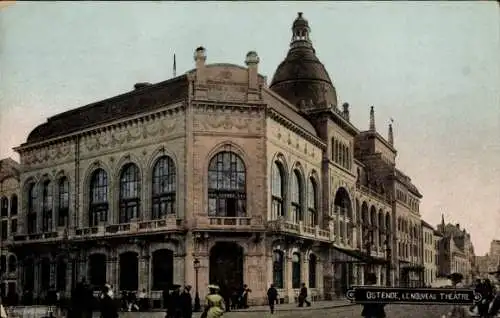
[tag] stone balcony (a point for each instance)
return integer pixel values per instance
(300, 229)
(136, 227)
(223, 223)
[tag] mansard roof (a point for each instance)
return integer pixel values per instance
(144, 98)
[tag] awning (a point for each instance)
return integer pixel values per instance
(342, 255)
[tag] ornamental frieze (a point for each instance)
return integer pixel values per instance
(51, 153)
(132, 134)
(293, 141)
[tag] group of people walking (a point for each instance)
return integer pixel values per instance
(489, 306)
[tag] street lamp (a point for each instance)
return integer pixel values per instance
(197, 306)
(389, 261)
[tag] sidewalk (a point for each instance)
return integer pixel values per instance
(40, 311)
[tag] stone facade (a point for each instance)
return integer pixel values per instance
(456, 252)
(9, 199)
(220, 180)
(429, 253)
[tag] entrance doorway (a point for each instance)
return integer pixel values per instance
(226, 265)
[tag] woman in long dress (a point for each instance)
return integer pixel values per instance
(214, 303)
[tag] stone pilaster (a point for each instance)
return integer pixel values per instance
(255, 276)
(114, 273)
(288, 279)
(36, 283)
(179, 269)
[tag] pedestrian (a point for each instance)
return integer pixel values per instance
(214, 303)
(107, 304)
(187, 302)
(373, 310)
(303, 296)
(272, 297)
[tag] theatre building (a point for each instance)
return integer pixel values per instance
(215, 174)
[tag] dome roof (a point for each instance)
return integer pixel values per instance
(301, 78)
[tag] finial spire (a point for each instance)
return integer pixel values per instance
(391, 134)
(175, 67)
(372, 119)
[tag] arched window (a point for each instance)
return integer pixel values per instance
(129, 193)
(164, 185)
(278, 268)
(3, 264)
(63, 213)
(13, 205)
(4, 203)
(312, 203)
(312, 270)
(32, 201)
(277, 193)
(296, 197)
(98, 211)
(47, 204)
(296, 270)
(226, 185)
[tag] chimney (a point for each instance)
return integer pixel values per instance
(141, 85)
(372, 119)
(200, 57)
(252, 61)
(458, 226)
(345, 111)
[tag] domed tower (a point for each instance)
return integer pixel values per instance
(301, 78)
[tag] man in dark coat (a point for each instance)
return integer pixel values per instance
(303, 296)
(186, 302)
(272, 297)
(107, 304)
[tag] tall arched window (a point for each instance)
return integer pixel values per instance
(32, 201)
(47, 207)
(312, 203)
(63, 200)
(277, 193)
(226, 185)
(296, 197)
(4, 203)
(278, 268)
(296, 270)
(98, 211)
(129, 193)
(13, 205)
(312, 270)
(164, 185)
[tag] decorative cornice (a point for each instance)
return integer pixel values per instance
(169, 110)
(295, 128)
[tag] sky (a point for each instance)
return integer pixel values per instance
(431, 66)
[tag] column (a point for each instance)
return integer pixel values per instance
(189, 274)
(69, 276)
(144, 280)
(52, 272)
(289, 292)
(179, 269)
(36, 291)
(114, 277)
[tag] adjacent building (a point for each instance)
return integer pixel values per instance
(216, 176)
(9, 202)
(456, 252)
(429, 253)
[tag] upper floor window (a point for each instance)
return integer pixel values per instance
(226, 185)
(98, 211)
(32, 201)
(4, 207)
(277, 191)
(129, 193)
(312, 203)
(47, 206)
(341, 154)
(63, 192)
(164, 185)
(296, 196)
(13, 205)
(4, 230)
